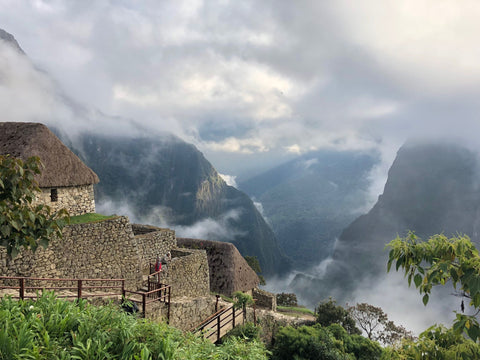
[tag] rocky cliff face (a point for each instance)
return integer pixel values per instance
(311, 199)
(431, 189)
(166, 181)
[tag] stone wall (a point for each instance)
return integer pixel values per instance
(77, 200)
(105, 249)
(152, 241)
(187, 313)
(229, 272)
(265, 299)
(187, 273)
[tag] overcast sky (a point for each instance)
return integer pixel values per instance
(259, 80)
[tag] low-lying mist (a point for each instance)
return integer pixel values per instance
(208, 228)
(401, 303)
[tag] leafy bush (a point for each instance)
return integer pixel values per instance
(242, 300)
(306, 342)
(50, 328)
(328, 312)
(317, 342)
(437, 342)
(287, 299)
(249, 332)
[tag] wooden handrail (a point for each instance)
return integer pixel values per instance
(214, 324)
(80, 287)
(53, 279)
(207, 320)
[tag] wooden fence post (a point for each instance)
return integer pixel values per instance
(123, 289)
(144, 305)
(168, 311)
(233, 322)
(79, 289)
(22, 288)
(218, 327)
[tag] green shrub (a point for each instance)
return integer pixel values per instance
(328, 312)
(437, 342)
(287, 299)
(50, 328)
(306, 342)
(249, 332)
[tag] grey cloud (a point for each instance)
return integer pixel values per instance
(268, 78)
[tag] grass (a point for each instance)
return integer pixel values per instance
(55, 329)
(295, 310)
(88, 218)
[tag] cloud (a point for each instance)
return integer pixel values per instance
(212, 229)
(404, 305)
(229, 179)
(426, 43)
(326, 78)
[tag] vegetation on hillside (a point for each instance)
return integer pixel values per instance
(90, 217)
(165, 180)
(253, 262)
(50, 328)
(23, 224)
(309, 201)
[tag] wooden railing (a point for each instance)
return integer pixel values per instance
(80, 287)
(29, 287)
(217, 325)
(160, 294)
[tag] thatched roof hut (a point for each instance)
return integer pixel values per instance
(62, 167)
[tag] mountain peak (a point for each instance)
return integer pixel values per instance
(9, 38)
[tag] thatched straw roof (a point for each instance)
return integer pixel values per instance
(62, 167)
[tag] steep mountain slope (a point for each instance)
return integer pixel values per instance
(311, 199)
(159, 179)
(431, 188)
(167, 181)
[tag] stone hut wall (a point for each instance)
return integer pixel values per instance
(187, 273)
(265, 299)
(185, 313)
(152, 241)
(105, 249)
(77, 200)
(229, 272)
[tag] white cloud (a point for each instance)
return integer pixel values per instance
(229, 179)
(212, 229)
(335, 75)
(428, 43)
(231, 144)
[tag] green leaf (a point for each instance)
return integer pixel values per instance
(417, 280)
(473, 332)
(425, 299)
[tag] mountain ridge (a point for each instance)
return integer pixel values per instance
(168, 181)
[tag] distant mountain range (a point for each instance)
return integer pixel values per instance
(311, 199)
(160, 179)
(431, 188)
(166, 181)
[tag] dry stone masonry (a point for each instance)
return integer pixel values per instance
(105, 249)
(77, 200)
(229, 272)
(187, 273)
(153, 241)
(114, 248)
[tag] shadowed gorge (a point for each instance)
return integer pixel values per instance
(164, 180)
(431, 188)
